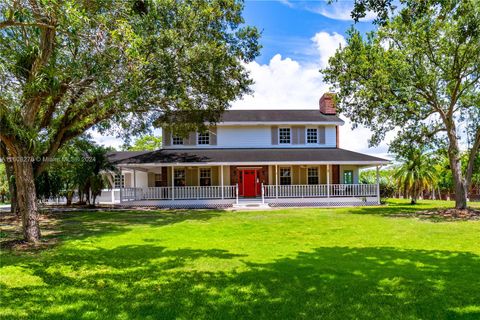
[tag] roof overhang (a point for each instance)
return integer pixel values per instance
(247, 157)
(279, 123)
(250, 163)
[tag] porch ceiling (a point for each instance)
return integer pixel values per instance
(253, 156)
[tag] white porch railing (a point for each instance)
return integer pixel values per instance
(320, 190)
(268, 191)
(178, 193)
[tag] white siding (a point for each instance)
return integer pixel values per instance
(261, 137)
(244, 136)
(258, 136)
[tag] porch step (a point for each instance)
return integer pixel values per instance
(250, 204)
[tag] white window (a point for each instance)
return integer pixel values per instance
(285, 176)
(203, 138)
(117, 180)
(312, 135)
(179, 177)
(312, 175)
(284, 136)
(177, 140)
(205, 177)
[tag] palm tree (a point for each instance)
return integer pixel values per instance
(416, 173)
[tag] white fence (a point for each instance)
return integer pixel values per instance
(320, 191)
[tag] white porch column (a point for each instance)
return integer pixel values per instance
(134, 184)
(378, 184)
(328, 181)
(173, 183)
(121, 185)
(276, 181)
(221, 181)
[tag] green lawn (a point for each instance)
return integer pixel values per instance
(349, 263)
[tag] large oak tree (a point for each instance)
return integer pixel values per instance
(420, 72)
(67, 66)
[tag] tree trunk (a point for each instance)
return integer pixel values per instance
(27, 200)
(459, 182)
(69, 196)
(414, 197)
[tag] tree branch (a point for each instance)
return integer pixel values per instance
(66, 132)
(11, 23)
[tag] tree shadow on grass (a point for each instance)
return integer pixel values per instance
(148, 282)
(397, 209)
(80, 225)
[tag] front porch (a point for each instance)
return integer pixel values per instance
(271, 195)
(223, 186)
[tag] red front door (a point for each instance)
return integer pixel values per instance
(249, 183)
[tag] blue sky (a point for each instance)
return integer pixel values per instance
(298, 37)
(288, 26)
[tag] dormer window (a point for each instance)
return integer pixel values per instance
(284, 135)
(312, 135)
(203, 138)
(177, 140)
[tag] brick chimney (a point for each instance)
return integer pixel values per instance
(327, 105)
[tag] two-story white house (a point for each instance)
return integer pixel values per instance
(263, 157)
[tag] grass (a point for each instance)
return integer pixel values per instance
(347, 263)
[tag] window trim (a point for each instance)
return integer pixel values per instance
(185, 176)
(280, 176)
(121, 181)
(198, 139)
(155, 179)
(199, 176)
(290, 135)
(353, 176)
(172, 138)
(306, 136)
(318, 175)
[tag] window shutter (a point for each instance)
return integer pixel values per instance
(164, 177)
(321, 135)
(151, 179)
(167, 137)
(298, 135)
(274, 135)
(192, 138)
(301, 135)
(213, 136)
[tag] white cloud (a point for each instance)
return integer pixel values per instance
(327, 45)
(339, 10)
(282, 84)
(287, 3)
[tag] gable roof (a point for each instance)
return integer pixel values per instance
(242, 155)
(312, 115)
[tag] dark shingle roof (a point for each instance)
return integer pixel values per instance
(251, 156)
(277, 116)
(115, 156)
